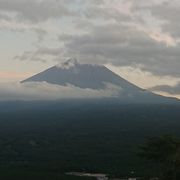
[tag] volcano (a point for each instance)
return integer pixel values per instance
(96, 77)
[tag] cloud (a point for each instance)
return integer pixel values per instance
(173, 90)
(167, 12)
(34, 16)
(36, 10)
(124, 46)
(42, 54)
(126, 33)
(33, 91)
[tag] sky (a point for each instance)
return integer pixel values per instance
(137, 39)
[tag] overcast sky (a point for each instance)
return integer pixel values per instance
(138, 39)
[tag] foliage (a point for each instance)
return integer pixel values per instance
(70, 136)
(165, 152)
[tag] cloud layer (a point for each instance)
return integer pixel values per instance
(43, 91)
(36, 10)
(173, 90)
(126, 33)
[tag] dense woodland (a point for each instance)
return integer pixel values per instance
(50, 138)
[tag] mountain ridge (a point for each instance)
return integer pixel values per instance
(93, 73)
(96, 77)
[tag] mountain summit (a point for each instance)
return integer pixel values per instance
(95, 77)
(68, 64)
(90, 76)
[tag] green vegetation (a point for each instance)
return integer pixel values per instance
(88, 137)
(164, 151)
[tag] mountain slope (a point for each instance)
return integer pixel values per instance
(80, 75)
(94, 77)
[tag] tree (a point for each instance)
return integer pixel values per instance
(165, 152)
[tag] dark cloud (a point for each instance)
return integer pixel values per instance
(36, 11)
(136, 33)
(173, 90)
(124, 46)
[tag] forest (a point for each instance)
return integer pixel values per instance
(47, 139)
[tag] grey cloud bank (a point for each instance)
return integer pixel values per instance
(33, 91)
(35, 10)
(124, 46)
(174, 90)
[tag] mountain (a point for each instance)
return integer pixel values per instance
(96, 77)
(81, 75)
